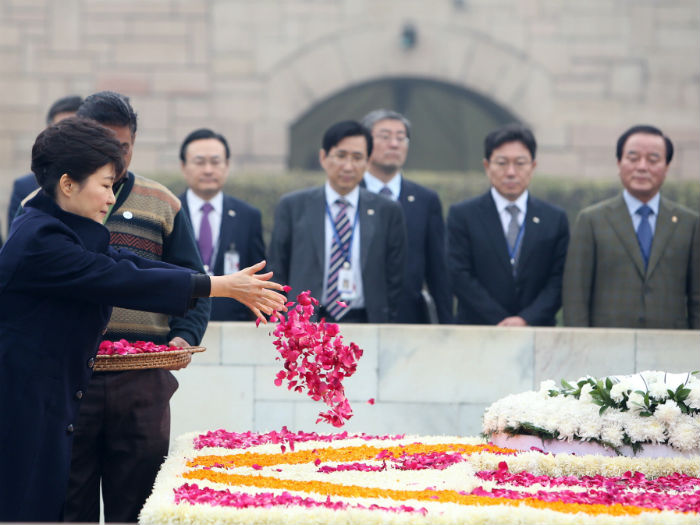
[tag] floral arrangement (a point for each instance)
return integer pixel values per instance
(228, 477)
(315, 358)
(646, 408)
(124, 347)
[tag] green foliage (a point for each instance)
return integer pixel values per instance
(263, 189)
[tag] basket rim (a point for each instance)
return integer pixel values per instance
(184, 350)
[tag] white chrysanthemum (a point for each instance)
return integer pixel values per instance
(635, 403)
(658, 391)
(617, 390)
(546, 386)
(693, 399)
(667, 413)
(590, 423)
(585, 396)
(613, 434)
(685, 434)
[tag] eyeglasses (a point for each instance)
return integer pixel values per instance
(388, 137)
(202, 161)
(519, 164)
(341, 157)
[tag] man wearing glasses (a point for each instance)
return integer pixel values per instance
(343, 243)
(228, 230)
(506, 249)
(425, 227)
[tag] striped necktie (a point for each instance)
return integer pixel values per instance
(339, 251)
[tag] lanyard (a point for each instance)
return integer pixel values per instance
(346, 252)
(512, 253)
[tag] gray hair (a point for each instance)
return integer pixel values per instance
(371, 118)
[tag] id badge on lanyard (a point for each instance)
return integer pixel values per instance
(347, 287)
(232, 260)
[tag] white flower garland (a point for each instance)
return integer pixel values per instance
(647, 408)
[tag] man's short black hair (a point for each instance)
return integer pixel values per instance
(76, 146)
(649, 130)
(69, 104)
(200, 134)
(109, 109)
(341, 130)
(513, 132)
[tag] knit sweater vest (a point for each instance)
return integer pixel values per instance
(142, 223)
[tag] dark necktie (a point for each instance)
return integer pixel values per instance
(337, 259)
(205, 240)
(386, 192)
(644, 236)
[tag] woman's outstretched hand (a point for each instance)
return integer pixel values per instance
(256, 291)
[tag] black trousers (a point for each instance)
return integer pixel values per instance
(120, 440)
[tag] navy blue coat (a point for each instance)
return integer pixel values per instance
(58, 281)
(482, 276)
(21, 187)
(241, 229)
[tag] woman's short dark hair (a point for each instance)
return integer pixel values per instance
(76, 146)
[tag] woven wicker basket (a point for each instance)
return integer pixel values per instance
(168, 360)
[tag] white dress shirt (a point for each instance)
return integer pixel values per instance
(502, 203)
(633, 205)
(353, 199)
(375, 185)
(194, 203)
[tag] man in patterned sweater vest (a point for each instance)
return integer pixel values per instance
(123, 430)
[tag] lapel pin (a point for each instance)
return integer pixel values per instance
(231, 213)
(370, 212)
(127, 215)
(411, 198)
(674, 219)
(536, 220)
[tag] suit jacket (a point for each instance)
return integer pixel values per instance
(482, 276)
(21, 187)
(605, 283)
(426, 260)
(58, 280)
(241, 229)
(297, 248)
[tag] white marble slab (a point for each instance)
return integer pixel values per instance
(211, 397)
(453, 364)
(243, 343)
(656, 352)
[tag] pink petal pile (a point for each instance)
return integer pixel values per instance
(191, 493)
(238, 440)
(124, 347)
(315, 358)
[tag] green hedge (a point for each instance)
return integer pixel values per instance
(263, 190)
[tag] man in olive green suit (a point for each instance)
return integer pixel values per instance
(634, 260)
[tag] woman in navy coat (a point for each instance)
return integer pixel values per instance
(58, 282)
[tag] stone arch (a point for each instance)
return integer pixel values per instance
(463, 58)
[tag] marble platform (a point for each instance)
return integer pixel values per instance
(426, 379)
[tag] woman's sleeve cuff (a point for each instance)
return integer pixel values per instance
(201, 285)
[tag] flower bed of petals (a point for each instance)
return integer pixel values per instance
(124, 347)
(649, 408)
(227, 477)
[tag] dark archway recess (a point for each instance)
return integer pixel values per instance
(449, 122)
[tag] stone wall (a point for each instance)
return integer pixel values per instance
(427, 379)
(578, 72)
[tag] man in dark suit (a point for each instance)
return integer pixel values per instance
(229, 233)
(506, 249)
(634, 260)
(343, 243)
(425, 227)
(24, 185)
